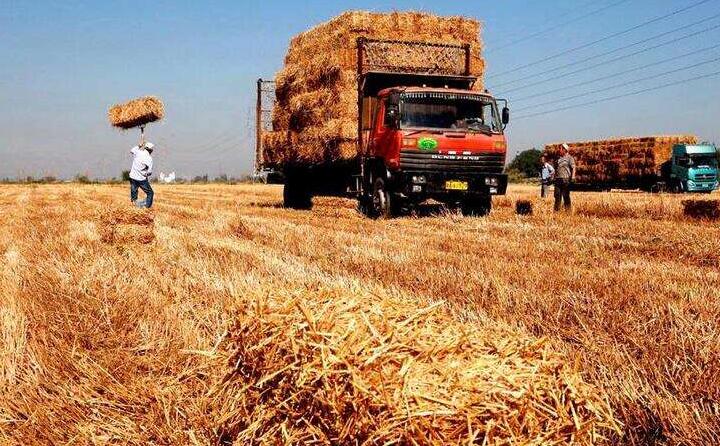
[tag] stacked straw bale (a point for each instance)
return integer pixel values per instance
(702, 209)
(323, 368)
(136, 112)
(617, 160)
(315, 115)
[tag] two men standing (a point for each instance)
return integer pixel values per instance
(562, 175)
(140, 173)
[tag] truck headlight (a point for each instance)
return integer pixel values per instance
(419, 179)
(492, 181)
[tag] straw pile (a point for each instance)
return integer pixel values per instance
(333, 369)
(619, 160)
(137, 112)
(702, 209)
(315, 115)
(127, 226)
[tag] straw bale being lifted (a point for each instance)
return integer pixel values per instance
(328, 368)
(318, 83)
(620, 160)
(136, 113)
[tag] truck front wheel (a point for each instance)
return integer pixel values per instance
(476, 206)
(383, 203)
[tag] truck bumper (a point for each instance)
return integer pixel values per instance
(693, 186)
(447, 185)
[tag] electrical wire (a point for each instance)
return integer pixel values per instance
(559, 25)
(625, 95)
(603, 39)
(620, 85)
(606, 62)
(620, 73)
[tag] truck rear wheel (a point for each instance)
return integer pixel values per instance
(296, 194)
(476, 206)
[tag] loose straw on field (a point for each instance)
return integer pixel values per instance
(335, 369)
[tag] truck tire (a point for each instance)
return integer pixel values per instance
(383, 203)
(296, 194)
(476, 206)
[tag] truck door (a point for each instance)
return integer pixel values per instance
(385, 133)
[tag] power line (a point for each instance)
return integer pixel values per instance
(559, 25)
(624, 84)
(603, 63)
(602, 39)
(610, 76)
(612, 98)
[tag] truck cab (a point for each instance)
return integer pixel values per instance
(446, 144)
(694, 168)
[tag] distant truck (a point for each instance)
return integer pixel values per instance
(420, 136)
(692, 168)
(653, 164)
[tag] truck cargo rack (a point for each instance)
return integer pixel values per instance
(399, 56)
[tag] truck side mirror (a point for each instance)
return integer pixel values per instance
(505, 115)
(392, 116)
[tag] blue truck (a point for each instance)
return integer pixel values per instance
(692, 168)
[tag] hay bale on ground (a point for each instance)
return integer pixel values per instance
(702, 209)
(136, 112)
(328, 369)
(318, 84)
(616, 160)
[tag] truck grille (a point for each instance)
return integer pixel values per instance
(704, 177)
(417, 161)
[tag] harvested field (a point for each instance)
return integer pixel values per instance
(240, 322)
(315, 114)
(621, 159)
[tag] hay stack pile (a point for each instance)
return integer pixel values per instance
(617, 160)
(315, 116)
(136, 112)
(702, 209)
(326, 368)
(126, 226)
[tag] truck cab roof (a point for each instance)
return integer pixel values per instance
(388, 91)
(694, 149)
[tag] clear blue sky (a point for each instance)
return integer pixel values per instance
(64, 63)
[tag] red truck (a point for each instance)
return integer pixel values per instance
(421, 136)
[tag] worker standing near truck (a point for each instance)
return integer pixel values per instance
(140, 172)
(564, 176)
(547, 173)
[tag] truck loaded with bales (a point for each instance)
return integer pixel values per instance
(389, 108)
(675, 163)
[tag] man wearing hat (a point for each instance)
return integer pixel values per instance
(140, 171)
(564, 176)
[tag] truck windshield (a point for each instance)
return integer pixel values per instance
(703, 160)
(449, 111)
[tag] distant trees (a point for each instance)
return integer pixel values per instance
(125, 175)
(526, 163)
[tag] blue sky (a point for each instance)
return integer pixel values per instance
(65, 62)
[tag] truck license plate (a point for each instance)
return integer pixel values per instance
(456, 185)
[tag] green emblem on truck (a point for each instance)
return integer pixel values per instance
(427, 144)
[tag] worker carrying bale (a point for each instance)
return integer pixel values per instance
(140, 172)
(138, 113)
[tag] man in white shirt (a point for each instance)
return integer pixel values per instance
(547, 174)
(140, 171)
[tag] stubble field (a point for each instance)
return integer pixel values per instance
(221, 318)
